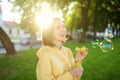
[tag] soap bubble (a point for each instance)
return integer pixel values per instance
(107, 34)
(106, 45)
(95, 43)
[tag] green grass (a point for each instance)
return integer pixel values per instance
(97, 65)
(19, 67)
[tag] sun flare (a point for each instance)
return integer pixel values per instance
(43, 18)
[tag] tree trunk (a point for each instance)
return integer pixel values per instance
(95, 21)
(84, 21)
(7, 44)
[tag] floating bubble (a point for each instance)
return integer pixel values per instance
(95, 43)
(106, 45)
(107, 34)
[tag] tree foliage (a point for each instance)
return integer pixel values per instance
(84, 13)
(30, 8)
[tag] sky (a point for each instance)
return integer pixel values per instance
(7, 15)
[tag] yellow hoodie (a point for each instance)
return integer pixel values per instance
(54, 64)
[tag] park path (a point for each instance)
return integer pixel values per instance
(20, 47)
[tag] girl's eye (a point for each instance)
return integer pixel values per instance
(57, 27)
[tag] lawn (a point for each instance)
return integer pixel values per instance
(97, 65)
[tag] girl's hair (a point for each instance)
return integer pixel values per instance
(47, 33)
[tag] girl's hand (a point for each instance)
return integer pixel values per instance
(76, 71)
(81, 54)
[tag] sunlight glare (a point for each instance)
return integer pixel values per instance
(44, 18)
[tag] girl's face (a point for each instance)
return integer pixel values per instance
(59, 31)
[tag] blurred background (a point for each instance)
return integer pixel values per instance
(91, 23)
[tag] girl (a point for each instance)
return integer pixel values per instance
(56, 62)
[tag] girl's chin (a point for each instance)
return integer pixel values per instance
(64, 40)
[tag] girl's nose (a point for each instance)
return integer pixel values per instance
(63, 29)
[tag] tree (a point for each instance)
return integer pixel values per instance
(106, 12)
(84, 19)
(7, 44)
(95, 6)
(72, 18)
(88, 13)
(29, 9)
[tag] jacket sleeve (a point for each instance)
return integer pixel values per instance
(43, 69)
(71, 57)
(65, 76)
